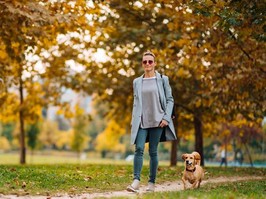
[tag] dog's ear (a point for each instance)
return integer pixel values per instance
(196, 155)
(184, 156)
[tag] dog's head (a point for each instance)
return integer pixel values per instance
(191, 159)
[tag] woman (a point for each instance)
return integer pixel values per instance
(151, 118)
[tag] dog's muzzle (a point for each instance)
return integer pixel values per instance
(188, 163)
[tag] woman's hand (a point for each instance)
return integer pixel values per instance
(163, 123)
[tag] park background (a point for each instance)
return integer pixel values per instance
(67, 67)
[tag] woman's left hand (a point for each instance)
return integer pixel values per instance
(163, 123)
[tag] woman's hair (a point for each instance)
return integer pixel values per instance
(148, 53)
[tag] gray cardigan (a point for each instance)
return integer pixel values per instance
(167, 102)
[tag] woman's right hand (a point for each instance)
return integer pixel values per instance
(163, 123)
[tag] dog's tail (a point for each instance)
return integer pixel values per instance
(197, 157)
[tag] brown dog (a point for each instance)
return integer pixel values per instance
(193, 172)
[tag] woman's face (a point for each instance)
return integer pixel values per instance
(148, 63)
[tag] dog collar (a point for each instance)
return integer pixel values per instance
(191, 170)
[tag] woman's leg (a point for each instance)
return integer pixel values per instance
(154, 139)
(139, 150)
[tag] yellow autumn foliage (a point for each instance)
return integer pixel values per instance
(78, 139)
(4, 144)
(9, 110)
(109, 139)
(66, 110)
(63, 138)
(48, 134)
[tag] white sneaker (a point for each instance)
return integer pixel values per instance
(134, 187)
(150, 187)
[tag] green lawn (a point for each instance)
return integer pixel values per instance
(107, 175)
(236, 190)
(56, 158)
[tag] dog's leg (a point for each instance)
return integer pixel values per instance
(194, 185)
(184, 183)
(199, 183)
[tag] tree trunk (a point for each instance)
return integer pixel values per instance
(225, 148)
(198, 136)
(173, 159)
(249, 156)
(21, 120)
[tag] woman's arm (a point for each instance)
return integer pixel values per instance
(169, 99)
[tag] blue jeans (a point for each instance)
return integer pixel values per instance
(154, 139)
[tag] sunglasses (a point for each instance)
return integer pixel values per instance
(147, 61)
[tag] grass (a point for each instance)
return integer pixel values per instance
(89, 178)
(51, 179)
(60, 175)
(241, 190)
(55, 158)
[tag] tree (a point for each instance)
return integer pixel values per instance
(30, 29)
(48, 134)
(33, 133)
(97, 122)
(63, 139)
(79, 139)
(202, 46)
(15, 40)
(7, 130)
(235, 69)
(138, 26)
(245, 133)
(109, 139)
(4, 144)
(211, 50)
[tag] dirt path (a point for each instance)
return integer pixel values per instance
(169, 186)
